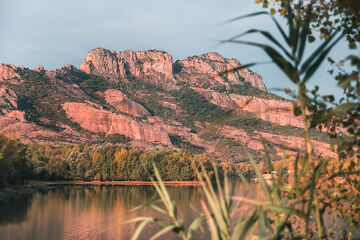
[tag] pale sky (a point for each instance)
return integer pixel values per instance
(54, 33)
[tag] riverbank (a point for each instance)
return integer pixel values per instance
(16, 191)
(37, 184)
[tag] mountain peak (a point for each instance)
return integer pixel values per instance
(157, 66)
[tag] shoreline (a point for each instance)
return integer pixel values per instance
(36, 184)
(33, 185)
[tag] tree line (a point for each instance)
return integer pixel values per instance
(20, 161)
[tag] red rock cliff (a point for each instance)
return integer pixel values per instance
(158, 67)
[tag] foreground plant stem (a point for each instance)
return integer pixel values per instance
(302, 100)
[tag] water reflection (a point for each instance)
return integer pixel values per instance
(92, 212)
(15, 209)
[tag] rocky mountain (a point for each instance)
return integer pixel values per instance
(144, 98)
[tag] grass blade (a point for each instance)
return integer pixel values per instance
(260, 176)
(262, 224)
(246, 16)
(241, 228)
(140, 228)
(162, 231)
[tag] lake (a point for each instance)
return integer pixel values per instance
(92, 212)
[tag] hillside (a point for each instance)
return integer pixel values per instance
(146, 99)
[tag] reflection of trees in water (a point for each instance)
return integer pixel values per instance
(15, 208)
(103, 198)
(107, 197)
(96, 212)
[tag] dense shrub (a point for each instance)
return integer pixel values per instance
(197, 106)
(247, 89)
(14, 165)
(111, 162)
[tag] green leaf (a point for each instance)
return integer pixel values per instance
(267, 35)
(247, 16)
(279, 60)
(313, 68)
(262, 224)
(316, 53)
(280, 227)
(272, 206)
(242, 67)
(343, 108)
(304, 32)
(196, 223)
(290, 18)
(241, 228)
(281, 30)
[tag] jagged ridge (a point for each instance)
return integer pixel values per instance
(149, 98)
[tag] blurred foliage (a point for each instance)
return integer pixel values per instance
(327, 16)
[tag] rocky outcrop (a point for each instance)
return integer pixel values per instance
(100, 120)
(275, 111)
(152, 65)
(40, 69)
(8, 100)
(157, 67)
(103, 62)
(122, 103)
(281, 143)
(8, 71)
(204, 70)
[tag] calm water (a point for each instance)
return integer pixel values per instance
(94, 212)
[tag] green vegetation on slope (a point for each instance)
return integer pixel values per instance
(248, 90)
(38, 103)
(196, 105)
(179, 142)
(250, 124)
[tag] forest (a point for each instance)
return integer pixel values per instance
(21, 161)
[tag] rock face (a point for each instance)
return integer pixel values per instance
(8, 100)
(275, 111)
(122, 103)
(8, 71)
(279, 112)
(72, 105)
(99, 120)
(158, 67)
(203, 70)
(153, 65)
(40, 69)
